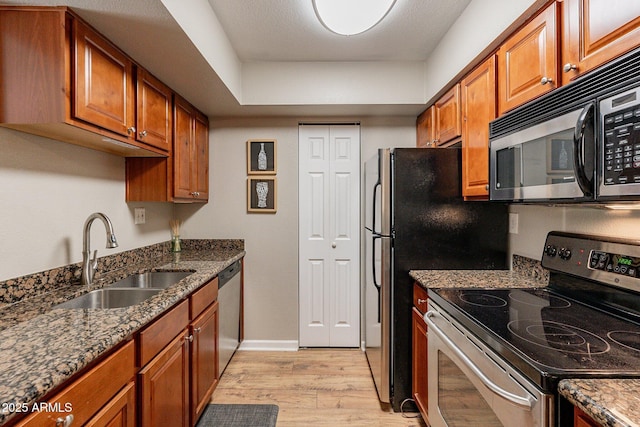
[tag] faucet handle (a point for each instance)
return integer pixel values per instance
(94, 260)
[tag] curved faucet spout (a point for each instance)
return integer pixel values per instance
(89, 265)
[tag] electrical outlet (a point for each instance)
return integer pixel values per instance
(139, 216)
(513, 223)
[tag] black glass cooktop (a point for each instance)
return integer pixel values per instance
(546, 335)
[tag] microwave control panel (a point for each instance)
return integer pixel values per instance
(621, 132)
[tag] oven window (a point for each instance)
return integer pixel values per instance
(460, 403)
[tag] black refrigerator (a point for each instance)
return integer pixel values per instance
(416, 219)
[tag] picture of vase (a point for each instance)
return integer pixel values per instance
(262, 158)
(262, 189)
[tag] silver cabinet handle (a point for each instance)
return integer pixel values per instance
(422, 301)
(190, 338)
(524, 402)
(197, 330)
(333, 245)
(568, 67)
(545, 80)
(195, 193)
(143, 134)
(64, 422)
(131, 130)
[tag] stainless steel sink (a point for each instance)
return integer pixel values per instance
(151, 279)
(110, 298)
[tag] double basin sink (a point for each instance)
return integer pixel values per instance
(129, 291)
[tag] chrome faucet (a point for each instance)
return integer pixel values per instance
(89, 265)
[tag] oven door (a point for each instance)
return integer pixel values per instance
(553, 160)
(471, 385)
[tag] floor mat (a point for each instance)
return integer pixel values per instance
(239, 415)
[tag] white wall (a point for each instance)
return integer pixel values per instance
(534, 222)
(271, 240)
(48, 189)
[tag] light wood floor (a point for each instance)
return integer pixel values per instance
(317, 387)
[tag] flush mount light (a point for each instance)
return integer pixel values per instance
(351, 17)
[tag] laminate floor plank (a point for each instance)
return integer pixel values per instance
(312, 387)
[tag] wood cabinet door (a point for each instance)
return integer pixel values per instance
(182, 137)
(527, 61)
(478, 109)
(596, 31)
(447, 116)
(103, 84)
(204, 360)
(164, 386)
(119, 412)
(154, 112)
(200, 158)
(581, 419)
(419, 360)
(425, 130)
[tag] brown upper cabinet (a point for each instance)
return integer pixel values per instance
(478, 109)
(62, 80)
(154, 120)
(184, 175)
(425, 128)
(596, 31)
(527, 61)
(447, 117)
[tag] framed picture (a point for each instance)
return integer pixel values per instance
(261, 157)
(262, 195)
(560, 156)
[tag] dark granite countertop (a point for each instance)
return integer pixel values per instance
(41, 347)
(610, 402)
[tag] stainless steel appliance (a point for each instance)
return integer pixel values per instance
(496, 355)
(578, 143)
(416, 219)
(229, 287)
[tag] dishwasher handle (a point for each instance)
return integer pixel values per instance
(228, 273)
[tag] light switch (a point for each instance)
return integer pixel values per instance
(139, 216)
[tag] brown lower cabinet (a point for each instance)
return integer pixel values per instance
(581, 419)
(176, 360)
(419, 357)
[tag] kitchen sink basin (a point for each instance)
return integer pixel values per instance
(151, 279)
(110, 298)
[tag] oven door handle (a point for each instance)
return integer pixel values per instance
(523, 402)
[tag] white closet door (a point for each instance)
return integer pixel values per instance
(329, 250)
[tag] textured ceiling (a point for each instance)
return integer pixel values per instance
(288, 30)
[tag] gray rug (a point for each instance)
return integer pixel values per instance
(240, 415)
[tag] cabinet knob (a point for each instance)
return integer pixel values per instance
(195, 193)
(131, 130)
(486, 187)
(64, 422)
(421, 301)
(143, 134)
(189, 338)
(545, 80)
(333, 245)
(568, 67)
(197, 330)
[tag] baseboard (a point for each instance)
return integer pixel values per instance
(268, 345)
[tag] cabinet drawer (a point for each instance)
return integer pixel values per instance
(203, 297)
(157, 336)
(420, 298)
(87, 395)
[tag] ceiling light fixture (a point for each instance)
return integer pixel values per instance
(351, 17)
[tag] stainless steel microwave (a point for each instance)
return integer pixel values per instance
(579, 143)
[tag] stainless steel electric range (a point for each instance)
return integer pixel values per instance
(496, 355)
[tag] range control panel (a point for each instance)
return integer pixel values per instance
(608, 260)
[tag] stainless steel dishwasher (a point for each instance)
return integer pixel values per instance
(229, 281)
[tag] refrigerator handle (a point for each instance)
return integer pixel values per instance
(373, 267)
(375, 198)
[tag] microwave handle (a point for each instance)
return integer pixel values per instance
(585, 119)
